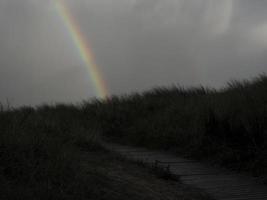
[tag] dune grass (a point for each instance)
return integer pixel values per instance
(42, 148)
(55, 152)
(226, 126)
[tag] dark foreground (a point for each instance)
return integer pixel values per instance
(220, 183)
(52, 162)
(41, 147)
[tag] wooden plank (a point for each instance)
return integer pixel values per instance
(220, 183)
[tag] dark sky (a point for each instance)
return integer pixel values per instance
(138, 44)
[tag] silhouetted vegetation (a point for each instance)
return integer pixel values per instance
(43, 149)
(226, 126)
(54, 152)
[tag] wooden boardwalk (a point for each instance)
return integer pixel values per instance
(219, 183)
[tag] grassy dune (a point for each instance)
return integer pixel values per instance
(226, 126)
(54, 152)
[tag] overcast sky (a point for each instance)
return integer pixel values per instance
(138, 44)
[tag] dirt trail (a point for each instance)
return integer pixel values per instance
(220, 183)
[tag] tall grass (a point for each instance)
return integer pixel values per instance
(54, 152)
(228, 126)
(37, 152)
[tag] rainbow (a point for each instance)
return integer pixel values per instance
(83, 46)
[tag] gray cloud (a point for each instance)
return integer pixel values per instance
(138, 44)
